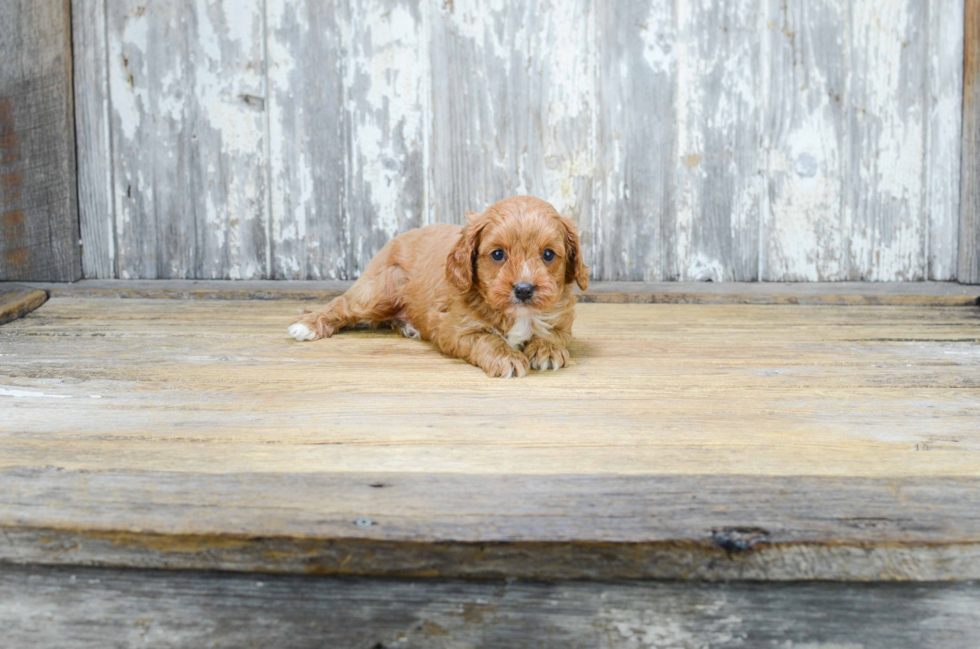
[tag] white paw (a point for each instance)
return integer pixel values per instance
(300, 331)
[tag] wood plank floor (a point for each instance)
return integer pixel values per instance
(715, 441)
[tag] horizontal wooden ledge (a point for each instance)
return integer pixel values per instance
(829, 293)
(701, 527)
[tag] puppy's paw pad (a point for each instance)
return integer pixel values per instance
(301, 332)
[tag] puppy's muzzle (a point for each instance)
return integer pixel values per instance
(523, 291)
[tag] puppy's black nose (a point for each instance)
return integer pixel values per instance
(523, 291)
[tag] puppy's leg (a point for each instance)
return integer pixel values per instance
(548, 352)
(403, 325)
(488, 351)
(373, 298)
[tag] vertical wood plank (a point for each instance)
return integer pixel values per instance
(635, 145)
(718, 118)
(384, 81)
(188, 126)
(806, 141)
(306, 139)
(969, 234)
(944, 105)
(92, 138)
(512, 106)
(38, 198)
(888, 232)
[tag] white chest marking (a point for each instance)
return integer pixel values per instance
(521, 332)
(524, 327)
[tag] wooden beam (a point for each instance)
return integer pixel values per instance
(75, 607)
(17, 301)
(38, 198)
(969, 262)
(478, 525)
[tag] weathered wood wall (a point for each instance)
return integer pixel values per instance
(38, 212)
(698, 140)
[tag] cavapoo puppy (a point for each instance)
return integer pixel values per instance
(496, 292)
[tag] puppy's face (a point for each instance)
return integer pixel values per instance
(519, 255)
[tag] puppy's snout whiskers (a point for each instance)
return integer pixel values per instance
(523, 291)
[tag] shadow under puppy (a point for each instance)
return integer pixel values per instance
(496, 292)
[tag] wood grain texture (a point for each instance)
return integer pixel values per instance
(815, 293)
(635, 202)
(944, 109)
(556, 526)
(77, 607)
(512, 106)
(385, 84)
(703, 141)
(846, 435)
(17, 301)
(887, 121)
(306, 140)
(969, 234)
(717, 119)
(38, 199)
(188, 125)
(96, 209)
(803, 229)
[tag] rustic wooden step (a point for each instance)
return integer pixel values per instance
(712, 441)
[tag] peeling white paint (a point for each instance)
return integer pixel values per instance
(385, 110)
(839, 159)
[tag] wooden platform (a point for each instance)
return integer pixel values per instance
(778, 442)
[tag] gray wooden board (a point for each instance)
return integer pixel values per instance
(188, 128)
(455, 525)
(943, 106)
(898, 293)
(80, 607)
(38, 200)
(969, 232)
(306, 115)
(92, 133)
(705, 140)
(512, 106)
(385, 83)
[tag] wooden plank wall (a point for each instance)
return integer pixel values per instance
(748, 140)
(38, 209)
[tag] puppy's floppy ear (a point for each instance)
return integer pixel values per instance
(575, 268)
(461, 264)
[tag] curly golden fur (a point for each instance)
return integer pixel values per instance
(496, 292)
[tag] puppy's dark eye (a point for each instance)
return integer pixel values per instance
(497, 255)
(548, 255)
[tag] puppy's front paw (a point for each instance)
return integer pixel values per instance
(544, 355)
(508, 366)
